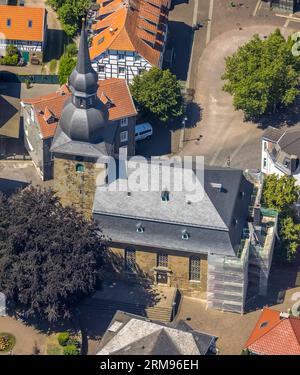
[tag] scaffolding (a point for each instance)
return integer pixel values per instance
(230, 277)
(260, 255)
(227, 279)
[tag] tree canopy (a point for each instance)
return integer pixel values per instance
(280, 192)
(262, 75)
(70, 13)
(157, 93)
(49, 254)
(66, 65)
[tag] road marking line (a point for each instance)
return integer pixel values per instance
(195, 14)
(210, 14)
(296, 19)
(287, 20)
(258, 5)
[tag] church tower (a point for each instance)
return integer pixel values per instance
(83, 140)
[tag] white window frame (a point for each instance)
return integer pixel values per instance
(124, 136)
(265, 163)
(192, 269)
(130, 260)
(162, 260)
(124, 122)
(121, 56)
(121, 67)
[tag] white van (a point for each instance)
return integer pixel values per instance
(143, 131)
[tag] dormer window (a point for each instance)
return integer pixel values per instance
(106, 100)
(185, 235)
(49, 116)
(8, 22)
(165, 196)
(30, 23)
(140, 228)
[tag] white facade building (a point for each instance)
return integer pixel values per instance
(281, 152)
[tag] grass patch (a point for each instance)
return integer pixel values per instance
(53, 66)
(7, 341)
(53, 347)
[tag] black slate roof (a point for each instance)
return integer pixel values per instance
(272, 134)
(164, 340)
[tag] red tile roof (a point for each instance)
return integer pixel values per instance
(126, 27)
(19, 17)
(115, 91)
(275, 335)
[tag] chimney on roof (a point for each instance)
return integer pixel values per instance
(284, 315)
(111, 30)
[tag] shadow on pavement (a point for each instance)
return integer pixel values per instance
(56, 41)
(8, 187)
(282, 277)
(289, 116)
(180, 41)
(161, 141)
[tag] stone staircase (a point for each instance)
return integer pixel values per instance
(159, 313)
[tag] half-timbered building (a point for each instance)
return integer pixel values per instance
(25, 28)
(129, 37)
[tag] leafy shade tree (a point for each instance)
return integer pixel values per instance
(280, 193)
(157, 93)
(262, 75)
(72, 49)
(70, 13)
(49, 254)
(289, 232)
(66, 64)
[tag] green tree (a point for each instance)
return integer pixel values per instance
(280, 193)
(289, 232)
(11, 50)
(262, 75)
(66, 65)
(70, 13)
(11, 57)
(157, 93)
(50, 255)
(72, 49)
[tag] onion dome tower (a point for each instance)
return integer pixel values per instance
(83, 142)
(84, 116)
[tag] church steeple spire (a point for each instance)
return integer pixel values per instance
(84, 116)
(84, 79)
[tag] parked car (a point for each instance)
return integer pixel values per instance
(143, 131)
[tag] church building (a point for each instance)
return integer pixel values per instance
(217, 248)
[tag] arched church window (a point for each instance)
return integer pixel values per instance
(79, 168)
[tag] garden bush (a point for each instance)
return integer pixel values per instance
(71, 350)
(63, 338)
